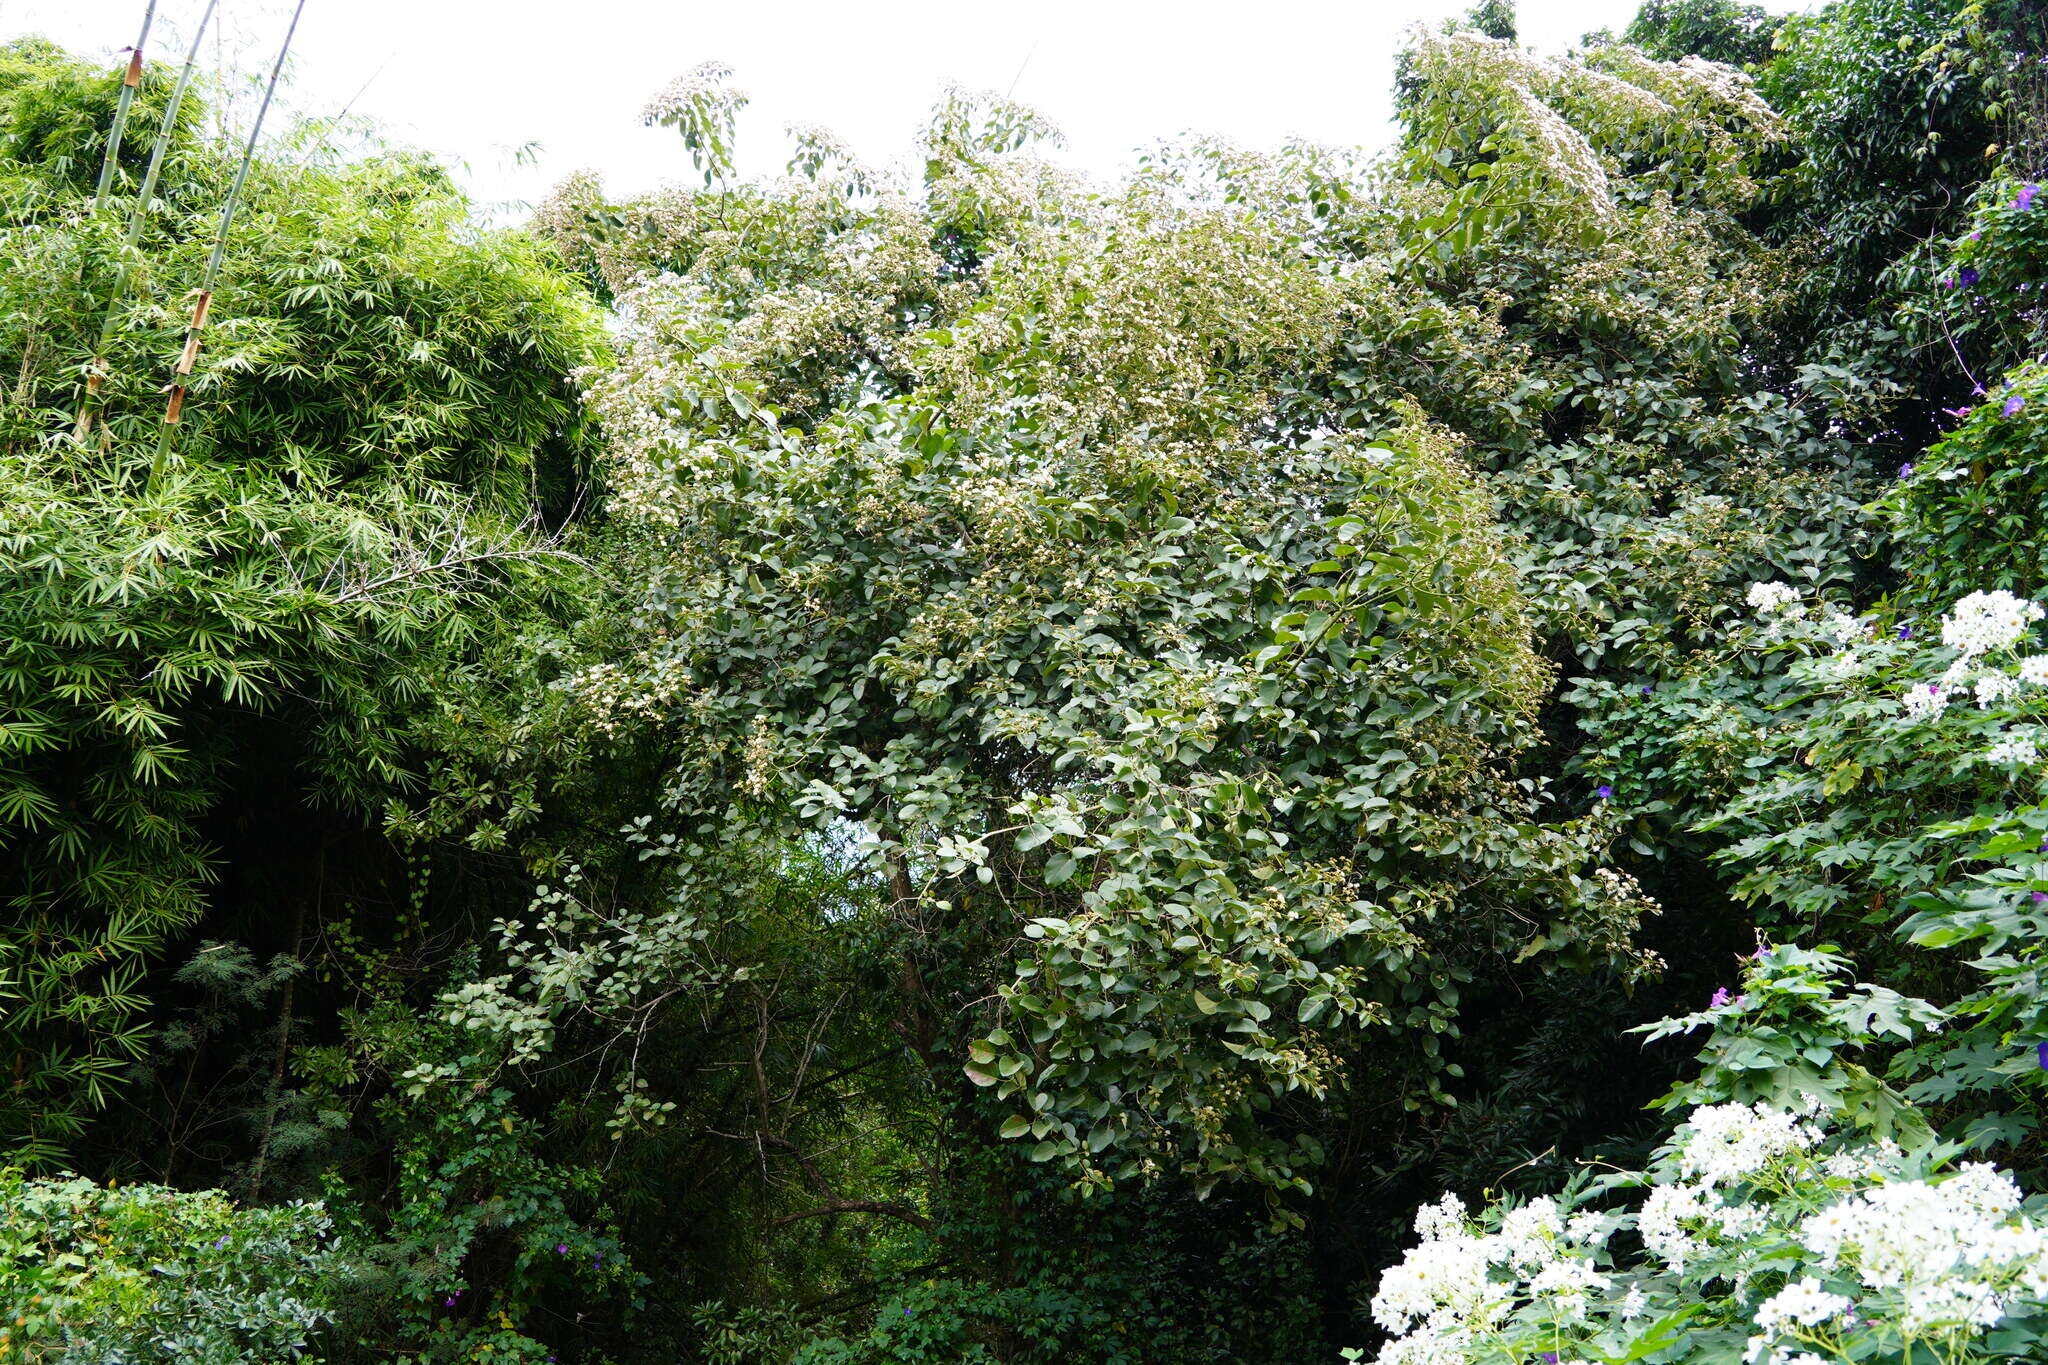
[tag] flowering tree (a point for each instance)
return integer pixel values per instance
(1177, 722)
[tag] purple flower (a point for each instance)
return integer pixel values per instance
(1603, 791)
(1905, 632)
(906, 1310)
(2040, 897)
(561, 1248)
(1976, 236)
(1550, 1358)
(449, 1302)
(1905, 471)
(2041, 1055)
(1967, 276)
(1720, 999)
(2025, 198)
(2014, 404)
(1646, 689)
(221, 1243)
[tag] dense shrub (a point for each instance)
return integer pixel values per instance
(105, 1276)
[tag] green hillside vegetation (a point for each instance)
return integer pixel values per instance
(1430, 754)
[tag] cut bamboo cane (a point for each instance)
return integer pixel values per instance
(174, 409)
(186, 361)
(122, 104)
(136, 217)
(167, 126)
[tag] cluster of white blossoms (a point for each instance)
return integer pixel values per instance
(2017, 747)
(1546, 105)
(1845, 629)
(1459, 1280)
(1775, 599)
(1924, 701)
(1951, 1249)
(1754, 1215)
(1984, 629)
(1803, 1302)
(1725, 1143)
(703, 85)
(1978, 627)
(1987, 621)
(1981, 625)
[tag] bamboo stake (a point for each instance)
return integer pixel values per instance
(136, 217)
(174, 408)
(121, 106)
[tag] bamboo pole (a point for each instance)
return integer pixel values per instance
(136, 217)
(174, 408)
(168, 125)
(121, 106)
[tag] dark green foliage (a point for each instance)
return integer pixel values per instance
(1969, 515)
(1896, 104)
(1494, 18)
(1725, 31)
(479, 1229)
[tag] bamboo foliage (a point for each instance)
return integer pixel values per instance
(310, 586)
(203, 297)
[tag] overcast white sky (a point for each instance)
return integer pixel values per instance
(473, 79)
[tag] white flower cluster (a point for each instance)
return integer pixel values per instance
(1725, 1143)
(1803, 1302)
(2015, 747)
(1449, 1286)
(1950, 1247)
(1845, 629)
(1775, 599)
(1668, 1218)
(1993, 688)
(1985, 621)
(1830, 1250)
(1979, 626)
(703, 84)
